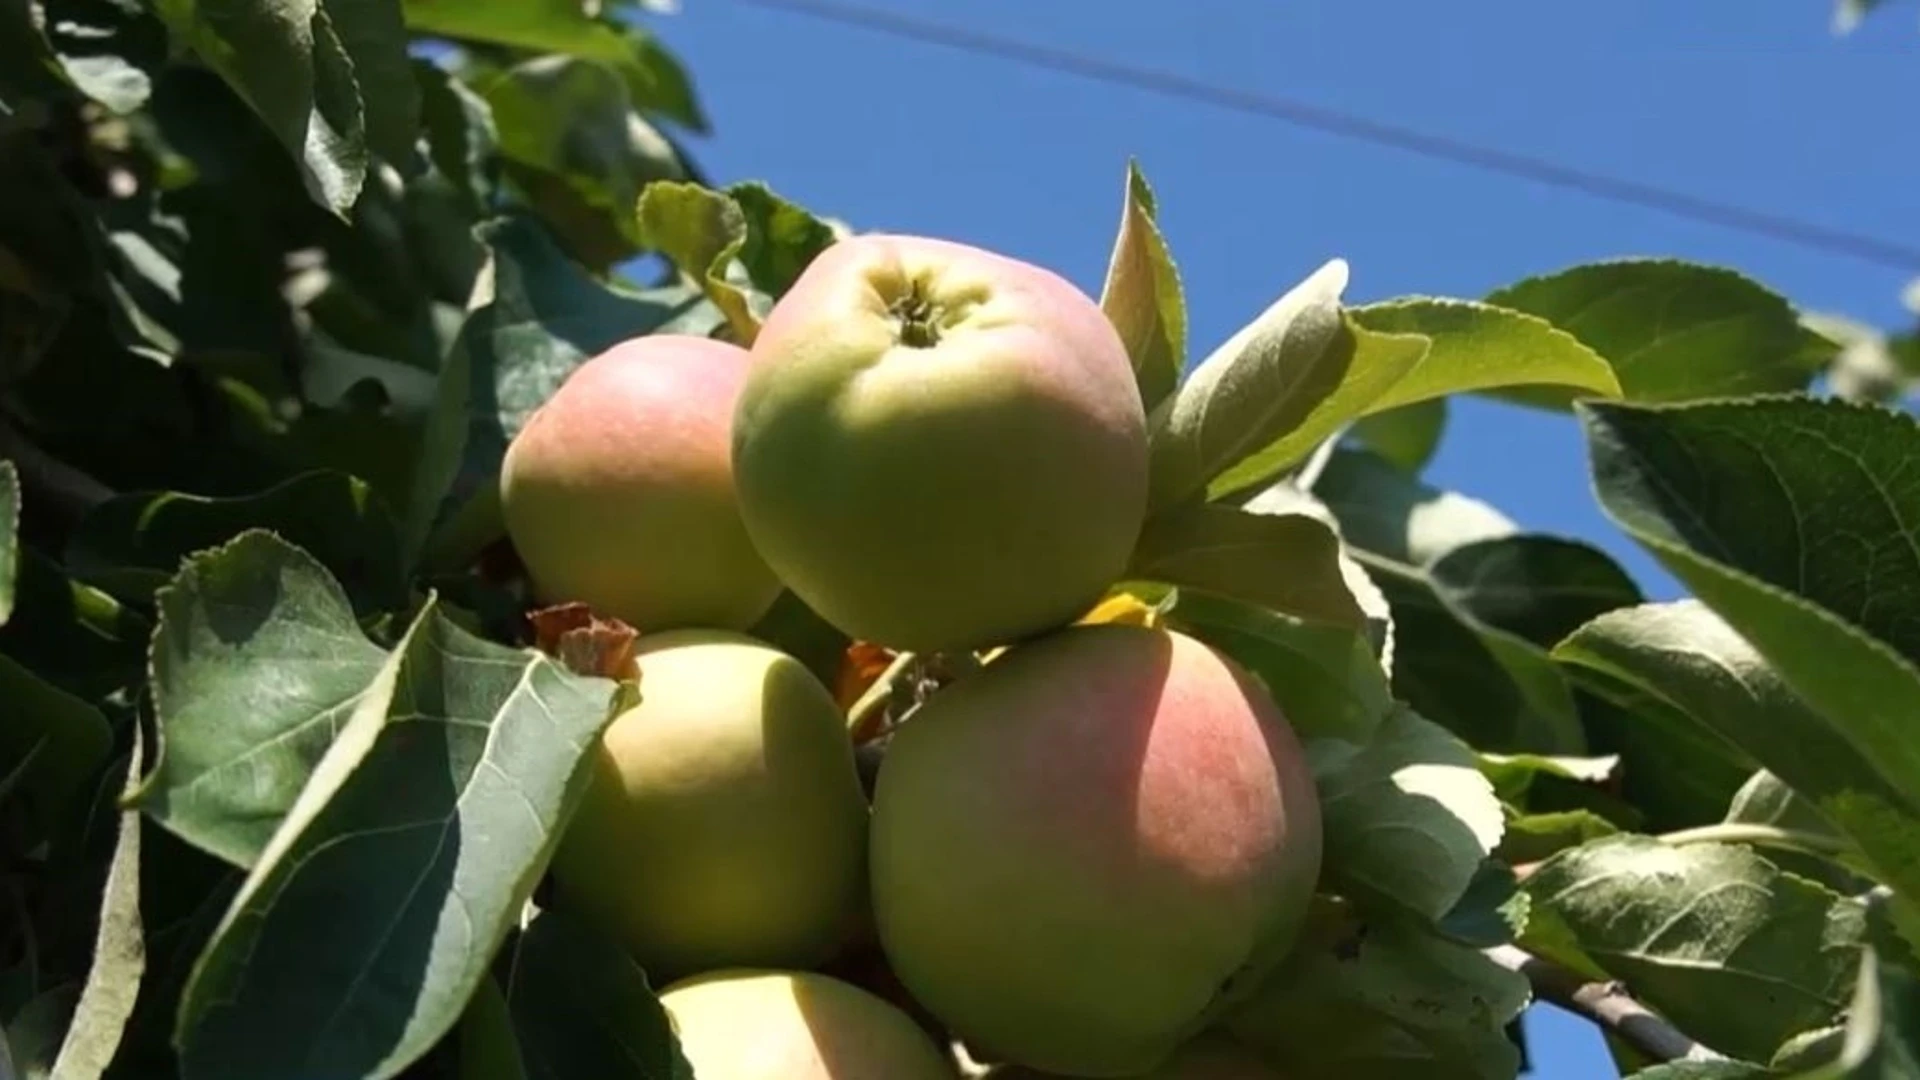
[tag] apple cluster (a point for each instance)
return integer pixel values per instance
(1074, 859)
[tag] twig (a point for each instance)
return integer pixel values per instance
(1605, 1003)
(867, 714)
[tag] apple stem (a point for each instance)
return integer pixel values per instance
(867, 716)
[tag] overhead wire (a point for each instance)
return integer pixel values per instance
(1305, 114)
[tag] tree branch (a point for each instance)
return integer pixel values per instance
(1607, 1004)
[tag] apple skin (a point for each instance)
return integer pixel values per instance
(723, 823)
(955, 495)
(1085, 852)
(747, 1024)
(618, 491)
(1209, 1057)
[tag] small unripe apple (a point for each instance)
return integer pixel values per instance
(1209, 1057)
(795, 1025)
(618, 491)
(940, 447)
(1085, 851)
(724, 823)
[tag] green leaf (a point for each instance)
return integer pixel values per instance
(1687, 656)
(1366, 998)
(782, 238)
(72, 635)
(1326, 678)
(702, 230)
(489, 1049)
(1480, 346)
(568, 128)
(1395, 516)
(1794, 519)
(541, 318)
(583, 1008)
(461, 136)
(238, 746)
(1765, 799)
(1252, 390)
(374, 35)
(415, 845)
(132, 544)
(1703, 1070)
(1693, 928)
(1408, 817)
(1512, 774)
(1672, 330)
(1533, 837)
(288, 61)
(51, 750)
(1493, 910)
(9, 537)
(1407, 435)
(1289, 563)
(119, 954)
(1142, 295)
(109, 50)
(654, 78)
(1882, 1040)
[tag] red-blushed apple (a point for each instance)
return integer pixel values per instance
(1211, 1056)
(794, 1025)
(940, 447)
(1087, 850)
(724, 823)
(618, 491)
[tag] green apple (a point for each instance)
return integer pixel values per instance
(940, 447)
(618, 491)
(724, 823)
(796, 1025)
(1086, 851)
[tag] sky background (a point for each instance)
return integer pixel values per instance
(1756, 104)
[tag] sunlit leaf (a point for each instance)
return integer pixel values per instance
(1142, 295)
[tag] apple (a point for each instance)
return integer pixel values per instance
(1209, 1057)
(796, 1025)
(723, 823)
(939, 447)
(1086, 851)
(618, 491)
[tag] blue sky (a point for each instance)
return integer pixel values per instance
(1757, 104)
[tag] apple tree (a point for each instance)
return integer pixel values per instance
(480, 598)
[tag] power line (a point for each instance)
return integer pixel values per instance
(1351, 126)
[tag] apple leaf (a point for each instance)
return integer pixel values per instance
(1479, 346)
(9, 537)
(702, 231)
(782, 238)
(1252, 390)
(236, 748)
(1765, 799)
(1671, 330)
(1365, 997)
(541, 318)
(1493, 910)
(1532, 837)
(70, 634)
(1882, 1035)
(582, 1007)
(1795, 520)
(119, 953)
(655, 79)
(462, 140)
(489, 1049)
(1692, 928)
(292, 65)
(109, 52)
(1512, 774)
(133, 544)
(569, 132)
(1393, 515)
(1704, 1070)
(51, 750)
(1407, 435)
(1326, 678)
(1286, 562)
(1408, 816)
(1689, 657)
(1142, 295)
(415, 844)
(374, 35)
